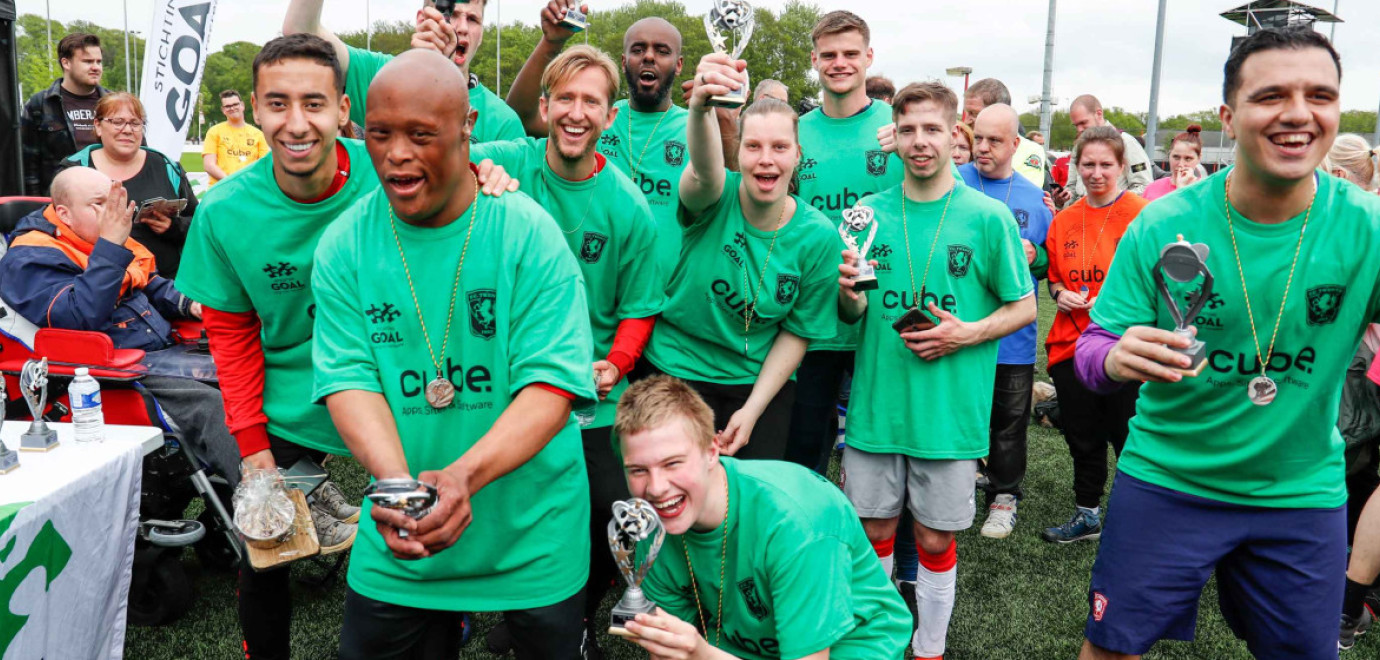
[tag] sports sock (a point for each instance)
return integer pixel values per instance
(934, 598)
(907, 561)
(885, 551)
(1096, 511)
(1354, 599)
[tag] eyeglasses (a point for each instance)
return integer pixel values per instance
(120, 124)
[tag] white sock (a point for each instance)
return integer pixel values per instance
(934, 599)
(1096, 511)
(888, 563)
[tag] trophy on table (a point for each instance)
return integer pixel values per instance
(33, 384)
(9, 459)
(1183, 262)
(634, 520)
(856, 220)
(574, 19)
(730, 17)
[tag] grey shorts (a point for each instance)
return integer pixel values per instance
(939, 493)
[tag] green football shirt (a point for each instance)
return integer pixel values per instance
(840, 164)
(650, 148)
(496, 120)
(250, 250)
(1202, 435)
(802, 575)
(519, 319)
(702, 334)
(938, 409)
(609, 229)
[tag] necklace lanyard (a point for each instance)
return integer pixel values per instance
(750, 310)
(632, 172)
(723, 562)
(593, 190)
(1262, 388)
(440, 392)
(905, 227)
(1010, 183)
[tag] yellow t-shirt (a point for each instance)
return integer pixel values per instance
(234, 148)
(1029, 161)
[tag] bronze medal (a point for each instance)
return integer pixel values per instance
(440, 393)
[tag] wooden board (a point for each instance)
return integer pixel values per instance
(300, 545)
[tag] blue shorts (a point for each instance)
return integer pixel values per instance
(1279, 572)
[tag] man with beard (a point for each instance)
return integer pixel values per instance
(647, 138)
(478, 406)
(457, 36)
(609, 228)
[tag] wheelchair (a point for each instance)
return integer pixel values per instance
(173, 475)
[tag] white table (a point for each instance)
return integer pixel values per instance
(71, 515)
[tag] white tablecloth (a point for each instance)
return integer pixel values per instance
(68, 519)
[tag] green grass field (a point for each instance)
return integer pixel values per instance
(1018, 598)
(192, 163)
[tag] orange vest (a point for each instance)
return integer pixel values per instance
(79, 251)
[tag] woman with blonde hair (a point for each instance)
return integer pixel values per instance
(963, 149)
(1352, 158)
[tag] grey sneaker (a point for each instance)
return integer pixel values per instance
(1353, 628)
(333, 535)
(1001, 517)
(331, 499)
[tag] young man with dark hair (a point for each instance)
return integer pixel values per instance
(777, 547)
(61, 120)
(610, 230)
(232, 144)
(457, 36)
(1029, 159)
(509, 531)
(1085, 112)
(955, 280)
(880, 88)
(1238, 472)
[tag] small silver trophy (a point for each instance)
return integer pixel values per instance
(33, 384)
(855, 220)
(9, 460)
(412, 497)
(574, 19)
(730, 17)
(633, 521)
(1183, 262)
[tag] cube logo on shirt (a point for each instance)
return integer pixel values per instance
(876, 162)
(1324, 302)
(786, 288)
(483, 322)
(960, 257)
(675, 153)
(593, 247)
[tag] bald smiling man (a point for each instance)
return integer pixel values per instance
(467, 387)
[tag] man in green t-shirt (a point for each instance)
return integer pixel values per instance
(476, 402)
(609, 229)
(457, 36)
(647, 138)
(1238, 472)
(954, 281)
(762, 560)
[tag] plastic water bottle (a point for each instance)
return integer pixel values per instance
(85, 395)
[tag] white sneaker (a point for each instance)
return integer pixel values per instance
(1001, 517)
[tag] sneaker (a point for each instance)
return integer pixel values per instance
(907, 589)
(1082, 526)
(330, 497)
(589, 648)
(1353, 628)
(499, 641)
(333, 535)
(1001, 517)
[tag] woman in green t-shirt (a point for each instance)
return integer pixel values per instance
(754, 282)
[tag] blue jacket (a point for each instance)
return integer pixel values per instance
(46, 287)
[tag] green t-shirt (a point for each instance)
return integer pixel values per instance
(610, 231)
(496, 120)
(804, 576)
(653, 154)
(520, 319)
(939, 409)
(250, 250)
(1202, 435)
(701, 332)
(841, 163)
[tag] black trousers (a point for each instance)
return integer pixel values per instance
(1006, 455)
(814, 417)
(375, 630)
(265, 599)
(1090, 422)
(768, 436)
(606, 485)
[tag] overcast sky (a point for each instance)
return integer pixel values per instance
(1104, 47)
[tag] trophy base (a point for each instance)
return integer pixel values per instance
(574, 24)
(730, 100)
(38, 441)
(622, 614)
(1197, 352)
(865, 284)
(9, 461)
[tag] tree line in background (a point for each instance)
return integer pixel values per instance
(780, 49)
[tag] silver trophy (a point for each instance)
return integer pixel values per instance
(574, 19)
(633, 521)
(413, 498)
(33, 384)
(1183, 262)
(855, 220)
(9, 460)
(730, 17)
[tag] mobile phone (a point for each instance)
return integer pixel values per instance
(915, 318)
(168, 207)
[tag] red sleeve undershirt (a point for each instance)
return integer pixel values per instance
(628, 343)
(237, 348)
